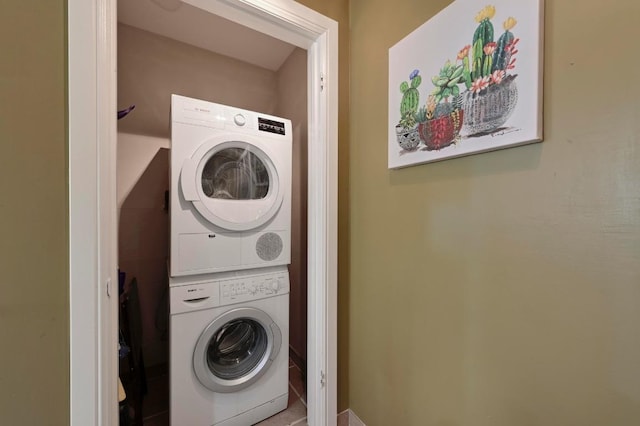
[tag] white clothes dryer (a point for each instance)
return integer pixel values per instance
(230, 188)
(229, 348)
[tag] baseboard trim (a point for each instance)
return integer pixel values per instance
(354, 420)
(349, 418)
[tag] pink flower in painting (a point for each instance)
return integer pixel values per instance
(497, 76)
(464, 52)
(511, 50)
(489, 48)
(511, 47)
(480, 84)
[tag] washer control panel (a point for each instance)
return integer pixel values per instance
(253, 287)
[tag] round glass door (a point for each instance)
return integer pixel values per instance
(234, 184)
(235, 174)
(236, 349)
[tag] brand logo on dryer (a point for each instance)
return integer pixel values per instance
(271, 126)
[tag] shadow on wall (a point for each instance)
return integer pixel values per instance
(143, 243)
(135, 153)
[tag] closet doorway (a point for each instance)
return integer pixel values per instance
(92, 91)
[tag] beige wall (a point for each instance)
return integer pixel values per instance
(501, 288)
(292, 104)
(152, 67)
(143, 247)
(34, 288)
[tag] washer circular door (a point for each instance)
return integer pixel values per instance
(236, 349)
(233, 184)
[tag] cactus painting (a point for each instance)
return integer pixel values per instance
(410, 100)
(486, 96)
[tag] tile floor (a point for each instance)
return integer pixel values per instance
(155, 409)
(296, 412)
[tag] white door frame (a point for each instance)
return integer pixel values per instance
(92, 32)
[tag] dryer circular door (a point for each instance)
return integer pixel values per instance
(236, 349)
(232, 184)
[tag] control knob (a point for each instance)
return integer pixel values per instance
(240, 120)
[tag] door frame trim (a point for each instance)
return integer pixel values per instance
(92, 88)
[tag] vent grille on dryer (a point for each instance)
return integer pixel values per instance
(269, 246)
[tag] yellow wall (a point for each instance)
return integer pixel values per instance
(34, 285)
(497, 289)
(501, 288)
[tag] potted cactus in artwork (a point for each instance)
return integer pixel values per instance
(491, 94)
(407, 130)
(441, 119)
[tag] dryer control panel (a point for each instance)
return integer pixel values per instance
(253, 287)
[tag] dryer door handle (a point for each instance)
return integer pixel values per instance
(196, 300)
(188, 180)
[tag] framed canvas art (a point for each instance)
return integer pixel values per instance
(468, 80)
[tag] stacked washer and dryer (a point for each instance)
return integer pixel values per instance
(230, 247)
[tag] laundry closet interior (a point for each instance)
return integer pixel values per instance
(166, 47)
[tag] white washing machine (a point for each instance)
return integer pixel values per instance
(230, 188)
(229, 348)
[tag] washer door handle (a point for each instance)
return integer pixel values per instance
(277, 341)
(188, 180)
